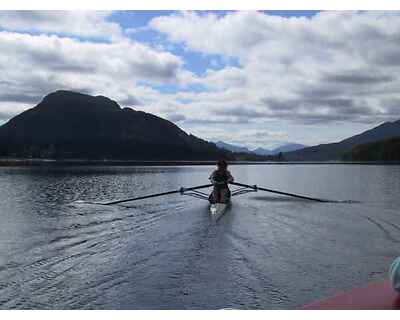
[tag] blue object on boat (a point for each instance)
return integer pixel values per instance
(394, 274)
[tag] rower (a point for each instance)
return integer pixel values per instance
(220, 178)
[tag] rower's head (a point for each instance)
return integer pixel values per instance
(222, 164)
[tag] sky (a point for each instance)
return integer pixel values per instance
(251, 78)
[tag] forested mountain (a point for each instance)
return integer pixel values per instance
(73, 125)
(384, 150)
(335, 151)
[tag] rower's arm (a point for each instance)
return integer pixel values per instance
(212, 177)
(230, 177)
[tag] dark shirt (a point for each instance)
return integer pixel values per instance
(221, 178)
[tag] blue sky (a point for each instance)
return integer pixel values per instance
(254, 78)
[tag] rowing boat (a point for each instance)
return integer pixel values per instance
(217, 208)
(374, 296)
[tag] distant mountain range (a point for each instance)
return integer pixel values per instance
(231, 147)
(338, 150)
(261, 151)
(73, 125)
(376, 144)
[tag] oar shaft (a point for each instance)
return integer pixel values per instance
(142, 197)
(159, 194)
(279, 192)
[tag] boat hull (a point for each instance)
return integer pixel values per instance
(218, 209)
(375, 296)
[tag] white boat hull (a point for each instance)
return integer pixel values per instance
(217, 209)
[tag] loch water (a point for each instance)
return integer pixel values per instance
(266, 252)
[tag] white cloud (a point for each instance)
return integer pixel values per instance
(249, 137)
(208, 33)
(34, 65)
(335, 66)
(225, 78)
(77, 23)
(330, 69)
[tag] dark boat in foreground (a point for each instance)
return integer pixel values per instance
(375, 296)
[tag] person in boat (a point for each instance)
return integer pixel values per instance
(220, 178)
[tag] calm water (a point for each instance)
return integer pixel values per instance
(167, 253)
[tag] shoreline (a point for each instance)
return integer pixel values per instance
(86, 162)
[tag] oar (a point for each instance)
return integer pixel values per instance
(281, 192)
(181, 190)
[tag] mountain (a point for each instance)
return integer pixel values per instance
(244, 154)
(231, 147)
(263, 152)
(289, 147)
(284, 148)
(335, 151)
(260, 151)
(384, 150)
(67, 124)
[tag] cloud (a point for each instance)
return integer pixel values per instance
(78, 23)
(20, 98)
(31, 66)
(240, 113)
(6, 115)
(251, 70)
(190, 28)
(11, 109)
(358, 78)
(250, 137)
(130, 100)
(333, 67)
(224, 78)
(175, 117)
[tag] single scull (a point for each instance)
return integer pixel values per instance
(216, 208)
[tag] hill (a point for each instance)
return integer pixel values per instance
(385, 150)
(67, 124)
(263, 152)
(335, 151)
(283, 148)
(260, 151)
(289, 147)
(232, 147)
